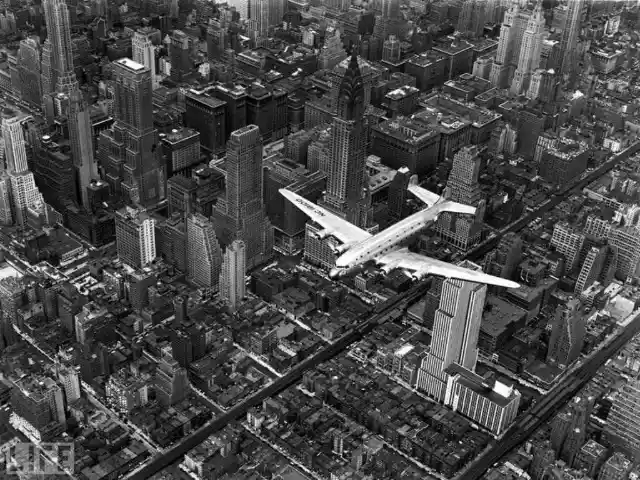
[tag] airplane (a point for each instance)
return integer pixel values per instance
(359, 247)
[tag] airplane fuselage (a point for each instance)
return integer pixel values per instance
(384, 242)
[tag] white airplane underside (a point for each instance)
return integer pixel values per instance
(359, 248)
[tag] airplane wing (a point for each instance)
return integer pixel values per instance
(427, 197)
(338, 227)
(420, 266)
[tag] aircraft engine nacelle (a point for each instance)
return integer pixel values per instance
(322, 234)
(340, 249)
(388, 268)
(417, 275)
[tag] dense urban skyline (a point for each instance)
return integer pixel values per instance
(320, 239)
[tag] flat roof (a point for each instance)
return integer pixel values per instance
(130, 64)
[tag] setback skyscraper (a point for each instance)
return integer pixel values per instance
(456, 328)
(59, 34)
(242, 215)
(128, 151)
(346, 182)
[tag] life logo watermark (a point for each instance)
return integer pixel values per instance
(39, 458)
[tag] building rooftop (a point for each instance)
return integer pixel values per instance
(498, 314)
(427, 58)
(130, 64)
(408, 129)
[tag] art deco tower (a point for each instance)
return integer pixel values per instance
(346, 180)
(59, 33)
(568, 41)
(530, 51)
(128, 151)
(242, 215)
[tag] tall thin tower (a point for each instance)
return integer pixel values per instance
(144, 52)
(569, 39)
(59, 32)
(346, 180)
(530, 52)
(232, 277)
(81, 139)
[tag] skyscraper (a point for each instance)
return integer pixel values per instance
(570, 33)
(232, 278)
(81, 140)
(128, 151)
(24, 192)
(463, 186)
(455, 333)
(144, 52)
(29, 71)
(623, 422)
(511, 34)
(346, 177)
(135, 237)
(264, 14)
(472, 18)
(242, 215)
(529, 58)
(179, 51)
(204, 256)
(59, 33)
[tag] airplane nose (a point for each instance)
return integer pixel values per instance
(334, 273)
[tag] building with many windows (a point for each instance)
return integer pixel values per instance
(135, 237)
(623, 422)
(232, 277)
(204, 256)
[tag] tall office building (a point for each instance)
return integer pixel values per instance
(204, 256)
(242, 214)
(6, 214)
(232, 277)
(179, 51)
(29, 71)
(567, 334)
(617, 467)
(472, 18)
(128, 152)
(264, 14)
(135, 237)
(509, 46)
(623, 421)
(463, 186)
(570, 33)
(24, 192)
(47, 79)
(529, 57)
(598, 266)
(171, 382)
(456, 328)
(217, 38)
(81, 139)
(568, 241)
(14, 144)
(70, 381)
(144, 52)
(346, 180)
(59, 33)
